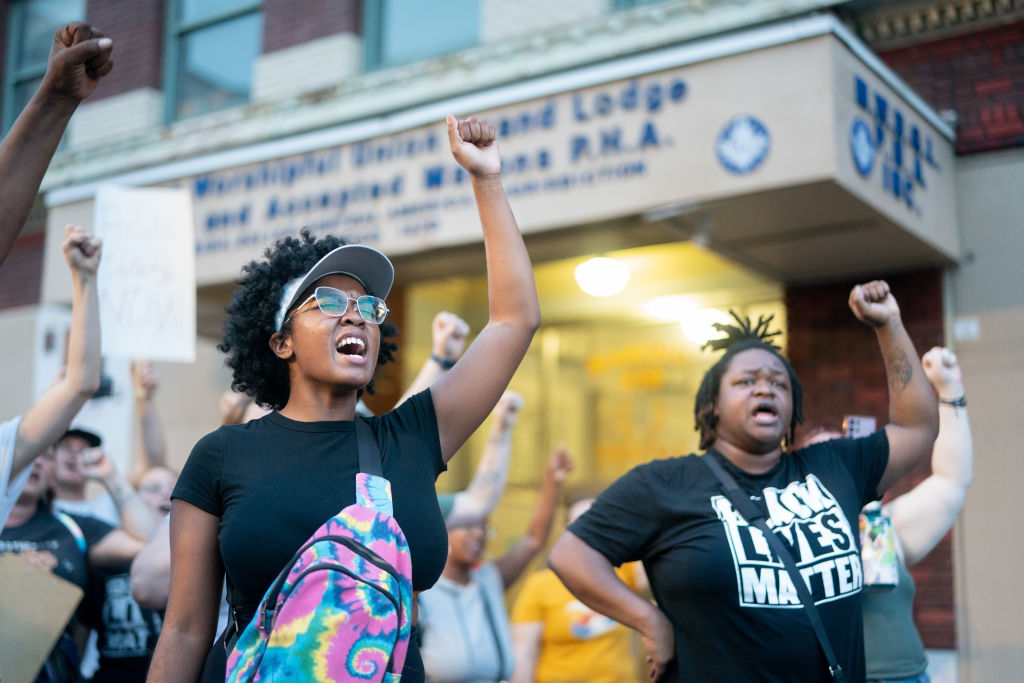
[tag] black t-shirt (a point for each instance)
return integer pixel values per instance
(735, 612)
(45, 533)
(126, 632)
(274, 481)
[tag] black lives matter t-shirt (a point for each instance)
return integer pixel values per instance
(274, 481)
(126, 632)
(733, 607)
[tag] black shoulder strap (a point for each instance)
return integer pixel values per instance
(367, 449)
(750, 512)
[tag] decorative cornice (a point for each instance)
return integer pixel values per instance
(898, 24)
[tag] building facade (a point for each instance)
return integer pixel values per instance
(755, 156)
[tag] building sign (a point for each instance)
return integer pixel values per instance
(906, 149)
(405, 192)
(692, 135)
(891, 157)
(743, 144)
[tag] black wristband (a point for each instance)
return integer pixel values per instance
(445, 363)
(960, 402)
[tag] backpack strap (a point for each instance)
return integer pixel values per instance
(75, 530)
(743, 505)
(367, 449)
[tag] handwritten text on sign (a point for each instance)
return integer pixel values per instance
(147, 275)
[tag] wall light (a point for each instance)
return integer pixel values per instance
(602, 276)
(698, 325)
(670, 307)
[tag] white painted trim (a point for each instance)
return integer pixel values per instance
(629, 67)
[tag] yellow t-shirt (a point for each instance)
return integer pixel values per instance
(578, 645)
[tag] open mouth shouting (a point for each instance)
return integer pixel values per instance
(352, 346)
(766, 413)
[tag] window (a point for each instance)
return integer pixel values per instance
(29, 37)
(211, 48)
(402, 31)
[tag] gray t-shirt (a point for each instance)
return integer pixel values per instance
(9, 490)
(465, 629)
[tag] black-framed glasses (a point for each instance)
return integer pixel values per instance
(334, 302)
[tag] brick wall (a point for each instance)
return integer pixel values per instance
(980, 76)
(292, 22)
(838, 362)
(137, 29)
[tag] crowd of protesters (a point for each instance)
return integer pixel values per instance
(159, 556)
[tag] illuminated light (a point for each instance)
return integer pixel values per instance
(698, 325)
(669, 308)
(602, 276)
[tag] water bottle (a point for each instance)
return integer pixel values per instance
(878, 548)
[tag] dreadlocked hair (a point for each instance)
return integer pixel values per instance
(739, 337)
(256, 370)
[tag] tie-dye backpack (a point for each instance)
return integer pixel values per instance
(340, 610)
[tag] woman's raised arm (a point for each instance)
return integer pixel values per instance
(923, 515)
(465, 396)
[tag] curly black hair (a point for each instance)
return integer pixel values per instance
(256, 371)
(738, 338)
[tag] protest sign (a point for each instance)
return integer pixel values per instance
(147, 276)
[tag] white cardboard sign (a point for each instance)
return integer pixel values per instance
(147, 282)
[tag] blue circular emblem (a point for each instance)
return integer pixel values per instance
(861, 147)
(743, 144)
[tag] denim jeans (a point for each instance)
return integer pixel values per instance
(923, 678)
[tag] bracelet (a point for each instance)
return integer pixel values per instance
(960, 401)
(445, 363)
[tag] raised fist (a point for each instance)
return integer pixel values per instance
(507, 410)
(449, 335)
(143, 380)
(79, 58)
(475, 146)
(874, 304)
(559, 464)
(943, 371)
(81, 250)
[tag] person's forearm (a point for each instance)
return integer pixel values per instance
(152, 446)
(51, 415)
(179, 655)
(912, 401)
(526, 639)
(24, 157)
(591, 578)
(151, 571)
(953, 453)
(488, 483)
(512, 564)
(511, 292)
(539, 528)
(84, 361)
(136, 517)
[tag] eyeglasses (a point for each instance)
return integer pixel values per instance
(334, 302)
